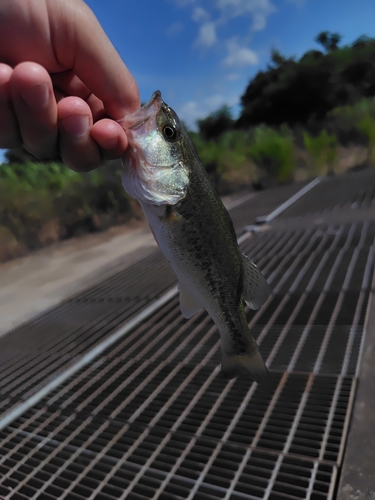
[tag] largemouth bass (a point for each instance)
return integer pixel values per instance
(194, 231)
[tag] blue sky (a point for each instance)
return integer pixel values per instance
(201, 54)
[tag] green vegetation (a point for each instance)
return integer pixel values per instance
(298, 115)
(322, 150)
(303, 92)
(299, 118)
(42, 203)
(273, 151)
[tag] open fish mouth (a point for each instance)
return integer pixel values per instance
(140, 117)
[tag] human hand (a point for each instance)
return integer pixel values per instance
(62, 83)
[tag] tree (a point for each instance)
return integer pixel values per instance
(328, 40)
(304, 91)
(216, 123)
(277, 58)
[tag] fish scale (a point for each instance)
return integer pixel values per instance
(194, 231)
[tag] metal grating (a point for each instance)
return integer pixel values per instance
(153, 418)
(354, 191)
(260, 204)
(37, 351)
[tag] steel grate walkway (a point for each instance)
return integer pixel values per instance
(153, 418)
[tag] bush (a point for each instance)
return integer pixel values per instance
(273, 152)
(343, 121)
(367, 126)
(42, 203)
(226, 160)
(322, 150)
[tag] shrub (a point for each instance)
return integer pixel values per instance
(273, 151)
(41, 203)
(367, 126)
(343, 121)
(226, 160)
(322, 150)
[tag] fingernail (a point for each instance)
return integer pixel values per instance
(76, 125)
(37, 96)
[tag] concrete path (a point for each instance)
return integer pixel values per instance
(31, 284)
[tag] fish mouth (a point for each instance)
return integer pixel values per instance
(149, 110)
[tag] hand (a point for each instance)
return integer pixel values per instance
(62, 83)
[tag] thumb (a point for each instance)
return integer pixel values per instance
(81, 44)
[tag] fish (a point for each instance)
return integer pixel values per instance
(162, 170)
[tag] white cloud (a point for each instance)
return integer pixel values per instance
(258, 9)
(207, 35)
(191, 111)
(259, 22)
(200, 15)
(239, 56)
(175, 29)
(232, 77)
(215, 101)
(244, 57)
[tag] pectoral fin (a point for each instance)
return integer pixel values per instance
(188, 304)
(255, 290)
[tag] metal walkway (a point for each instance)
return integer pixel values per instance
(151, 417)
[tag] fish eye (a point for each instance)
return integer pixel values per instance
(169, 132)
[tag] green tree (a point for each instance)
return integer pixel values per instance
(328, 40)
(304, 91)
(215, 124)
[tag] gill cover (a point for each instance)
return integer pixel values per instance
(154, 170)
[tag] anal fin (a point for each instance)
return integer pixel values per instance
(188, 303)
(255, 289)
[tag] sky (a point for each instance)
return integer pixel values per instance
(201, 54)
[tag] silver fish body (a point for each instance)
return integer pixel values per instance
(194, 231)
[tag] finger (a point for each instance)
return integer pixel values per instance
(69, 84)
(97, 109)
(9, 132)
(110, 137)
(35, 107)
(94, 59)
(78, 149)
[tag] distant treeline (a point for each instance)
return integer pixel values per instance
(302, 92)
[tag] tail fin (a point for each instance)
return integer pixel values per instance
(243, 365)
(240, 356)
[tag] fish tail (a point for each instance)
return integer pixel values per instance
(237, 363)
